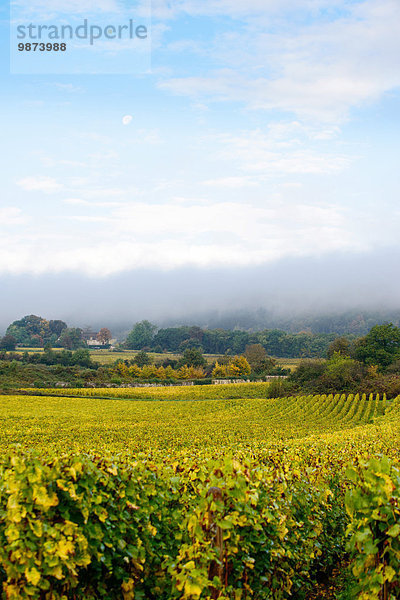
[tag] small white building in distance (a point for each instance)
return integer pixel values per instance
(91, 340)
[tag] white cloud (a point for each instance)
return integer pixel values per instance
(89, 190)
(165, 9)
(317, 70)
(109, 237)
(76, 201)
(174, 234)
(69, 88)
(52, 8)
(10, 215)
(127, 119)
(49, 161)
(150, 136)
(47, 185)
(231, 182)
(81, 202)
(279, 151)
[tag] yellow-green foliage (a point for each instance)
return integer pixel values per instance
(373, 505)
(84, 527)
(232, 498)
(119, 425)
(238, 366)
(153, 372)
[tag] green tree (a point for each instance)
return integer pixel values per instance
(259, 360)
(141, 335)
(56, 327)
(340, 345)
(191, 343)
(71, 338)
(381, 346)
(31, 330)
(82, 358)
(192, 357)
(255, 354)
(8, 342)
(141, 359)
(308, 373)
(196, 333)
(49, 356)
(342, 373)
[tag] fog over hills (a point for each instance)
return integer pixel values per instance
(253, 168)
(290, 294)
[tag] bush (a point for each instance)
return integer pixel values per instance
(386, 384)
(308, 372)
(279, 387)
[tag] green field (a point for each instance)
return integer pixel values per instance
(289, 363)
(230, 497)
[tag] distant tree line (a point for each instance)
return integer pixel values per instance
(66, 358)
(281, 344)
(34, 331)
(351, 322)
(367, 364)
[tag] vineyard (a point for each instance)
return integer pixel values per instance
(215, 492)
(206, 392)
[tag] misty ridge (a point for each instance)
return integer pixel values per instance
(335, 294)
(353, 322)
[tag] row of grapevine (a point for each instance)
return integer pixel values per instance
(230, 498)
(79, 527)
(206, 392)
(373, 505)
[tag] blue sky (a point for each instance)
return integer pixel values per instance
(265, 131)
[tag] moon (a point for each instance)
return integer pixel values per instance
(127, 119)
